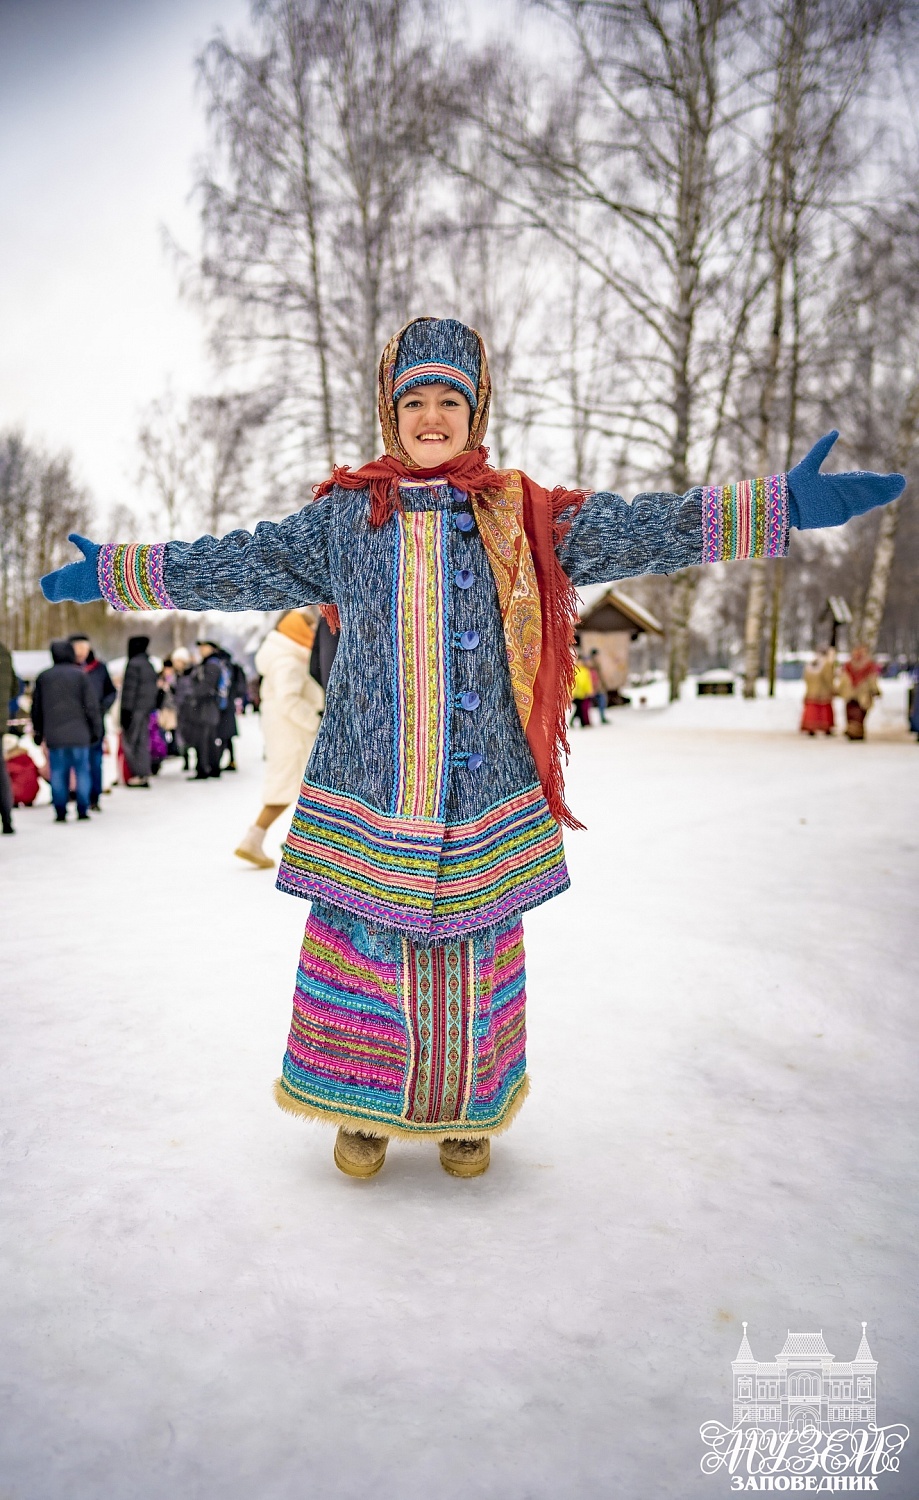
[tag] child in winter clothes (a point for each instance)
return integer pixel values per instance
(22, 772)
(430, 814)
(582, 694)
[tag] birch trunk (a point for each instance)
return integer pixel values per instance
(681, 600)
(885, 546)
(876, 597)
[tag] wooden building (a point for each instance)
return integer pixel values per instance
(609, 622)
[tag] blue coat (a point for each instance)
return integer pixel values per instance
(421, 810)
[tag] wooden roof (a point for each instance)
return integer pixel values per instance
(610, 609)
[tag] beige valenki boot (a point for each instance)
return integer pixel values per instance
(359, 1155)
(251, 847)
(465, 1158)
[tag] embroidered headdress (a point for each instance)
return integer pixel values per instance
(520, 525)
(437, 349)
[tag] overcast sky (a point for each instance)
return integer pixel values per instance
(98, 131)
(99, 128)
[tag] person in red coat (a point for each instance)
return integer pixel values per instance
(22, 771)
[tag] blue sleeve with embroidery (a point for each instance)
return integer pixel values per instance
(280, 565)
(661, 533)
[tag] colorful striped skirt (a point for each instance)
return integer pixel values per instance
(400, 1040)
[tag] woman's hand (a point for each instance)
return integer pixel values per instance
(78, 581)
(816, 499)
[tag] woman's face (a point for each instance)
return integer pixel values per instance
(433, 423)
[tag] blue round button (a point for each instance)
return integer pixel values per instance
(464, 520)
(469, 700)
(468, 640)
(464, 578)
(475, 761)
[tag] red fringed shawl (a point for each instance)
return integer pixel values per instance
(528, 521)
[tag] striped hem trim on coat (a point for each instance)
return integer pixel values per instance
(419, 877)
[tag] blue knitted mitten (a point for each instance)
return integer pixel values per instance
(78, 581)
(816, 499)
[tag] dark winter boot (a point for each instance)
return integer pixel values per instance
(465, 1158)
(359, 1155)
(60, 815)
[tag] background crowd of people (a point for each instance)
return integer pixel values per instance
(59, 728)
(184, 707)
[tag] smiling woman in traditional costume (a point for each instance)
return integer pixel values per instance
(430, 815)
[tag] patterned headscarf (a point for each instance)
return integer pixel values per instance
(394, 366)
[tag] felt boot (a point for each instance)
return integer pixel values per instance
(251, 847)
(465, 1158)
(359, 1155)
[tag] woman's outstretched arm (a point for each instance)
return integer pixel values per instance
(662, 532)
(279, 565)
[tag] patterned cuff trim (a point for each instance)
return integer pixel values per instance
(749, 519)
(131, 577)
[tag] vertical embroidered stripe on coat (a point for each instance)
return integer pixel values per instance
(422, 697)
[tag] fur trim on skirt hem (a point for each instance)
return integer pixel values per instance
(437, 1130)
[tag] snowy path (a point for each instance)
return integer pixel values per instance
(195, 1304)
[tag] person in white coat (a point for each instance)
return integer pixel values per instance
(290, 709)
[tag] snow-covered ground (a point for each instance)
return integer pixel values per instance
(195, 1304)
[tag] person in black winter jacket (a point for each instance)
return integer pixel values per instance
(105, 691)
(138, 701)
(205, 681)
(228, 729)
(66, 717)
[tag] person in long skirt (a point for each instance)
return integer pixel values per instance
(430, 816)
(819, 684)
(858, 687)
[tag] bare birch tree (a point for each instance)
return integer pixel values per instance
(819, 55)
(165, 443)
(312, 201)
(879, 328)
(40, 503)
(626, 168)
(197, 458)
